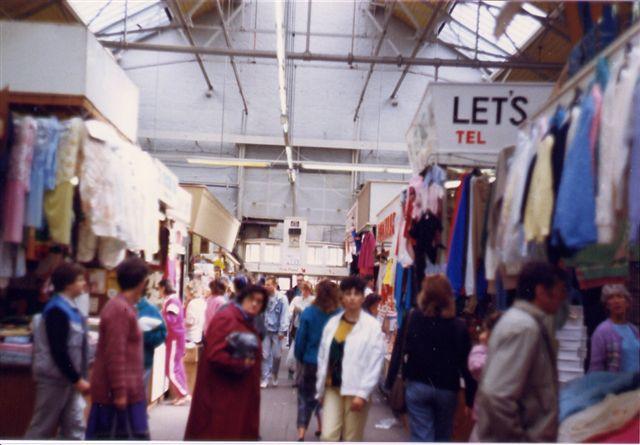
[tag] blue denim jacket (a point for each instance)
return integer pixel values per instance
(276, 316)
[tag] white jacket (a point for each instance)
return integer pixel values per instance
(363, 356)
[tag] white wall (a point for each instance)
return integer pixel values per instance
(325, 95)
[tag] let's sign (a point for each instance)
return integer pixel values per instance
(482, 116)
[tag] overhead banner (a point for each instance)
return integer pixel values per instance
(468, 121)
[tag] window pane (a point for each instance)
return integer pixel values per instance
(271, 253)
(253, 253)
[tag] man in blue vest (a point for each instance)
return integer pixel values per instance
(60, 360)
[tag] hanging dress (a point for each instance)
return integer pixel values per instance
(173, 314)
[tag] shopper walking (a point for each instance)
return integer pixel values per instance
(119, 410)
(173, 314)
(307, 341)
(154, 333)
(371, 304)
(195, 317)
(226, 403)
(60, 360)
(518, 396)
(276, 323)
(436, 349)
(350, 359)
(296, 307)
(216, 301)
(615, 345)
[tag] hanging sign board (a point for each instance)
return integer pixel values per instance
(168, 184)
(471, 121)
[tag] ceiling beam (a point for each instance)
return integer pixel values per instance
(187, 31)
(376, 51)
(131, 16)
(227, 39)
(268, 141)
(426, 31)
(338, 58)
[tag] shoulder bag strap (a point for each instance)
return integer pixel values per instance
(403, 346)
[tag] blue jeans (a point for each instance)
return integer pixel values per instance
(271, 353)
(431, 411)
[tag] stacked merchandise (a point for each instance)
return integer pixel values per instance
(15, 346)
(601, 407)
(572, 346)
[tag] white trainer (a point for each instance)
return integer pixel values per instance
(263, 384)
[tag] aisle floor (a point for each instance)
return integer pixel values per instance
(277, 419)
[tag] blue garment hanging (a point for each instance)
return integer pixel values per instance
(397, 288)
(575, 213)
(458, 248)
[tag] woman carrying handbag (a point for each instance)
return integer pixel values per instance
(434, 358)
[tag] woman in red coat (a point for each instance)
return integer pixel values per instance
(226, 398)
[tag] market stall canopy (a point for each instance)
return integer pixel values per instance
(210, 219)
(469, 123)
(68, 69)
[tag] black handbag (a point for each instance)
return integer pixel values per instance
(397, 400)
(243, 345)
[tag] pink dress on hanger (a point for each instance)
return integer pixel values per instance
(18, 179)
(173, 314)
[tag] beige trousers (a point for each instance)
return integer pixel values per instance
(338, 421)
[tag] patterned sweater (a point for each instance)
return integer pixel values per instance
(118, 367)
(606, 346)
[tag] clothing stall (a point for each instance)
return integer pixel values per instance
(75, 187)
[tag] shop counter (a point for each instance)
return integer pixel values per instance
(17, 399)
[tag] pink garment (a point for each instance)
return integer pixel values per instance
(367, 254)
(477, 360)
(18, 179)
(173, 314)
(214, 304)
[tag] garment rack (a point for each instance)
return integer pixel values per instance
(586, 71)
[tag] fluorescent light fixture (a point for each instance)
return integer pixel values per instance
(399, 170)
(492, 179)
(342, 167)
(453, 184)
(230, 162)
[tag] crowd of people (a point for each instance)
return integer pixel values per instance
(337, 354)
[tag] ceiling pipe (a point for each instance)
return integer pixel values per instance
(387, 21)
(281, 52)
(308, 26)
(338, 58)
(189, 36)
(426, 31)
(233, 63)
